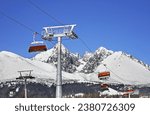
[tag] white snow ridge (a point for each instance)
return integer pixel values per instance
(123, 68)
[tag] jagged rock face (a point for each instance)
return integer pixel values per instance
(72, 62)
(87, 56)
(95, 59)
(69, 61)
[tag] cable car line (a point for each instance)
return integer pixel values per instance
(85, 44)
(35, 45)
(115, 74)
(56, 20)
(43, 11)
(30, 29)
(21, 24)
(52, 17)
(108, 72)
(16, 21)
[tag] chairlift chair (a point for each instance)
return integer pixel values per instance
(37, 46)
(128, 90)
(104, 75)
(104, 85)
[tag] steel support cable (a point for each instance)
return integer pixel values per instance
(85, 44)
(30, 29)
(43, 11)
(16, 21)
(21, 24)
(112, 72)
(56, 20)
(115, 74)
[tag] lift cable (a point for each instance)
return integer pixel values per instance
(43, 11)
(59, 22)
(30, 29)
(83, 42)
(115, 74)
(21, 24)
(16, 21)
(56, 20)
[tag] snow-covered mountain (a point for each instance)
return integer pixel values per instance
(69, 60)
(72, 62)
(124, 68)
(95, 59)
(11, 63)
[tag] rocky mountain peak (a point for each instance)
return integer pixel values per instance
(94, 60)
(69, 60)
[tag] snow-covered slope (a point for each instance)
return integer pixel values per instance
(11, 63)
(44, 56)
(124, 69)
(94, 60)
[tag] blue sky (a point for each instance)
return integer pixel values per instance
(115, 24)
